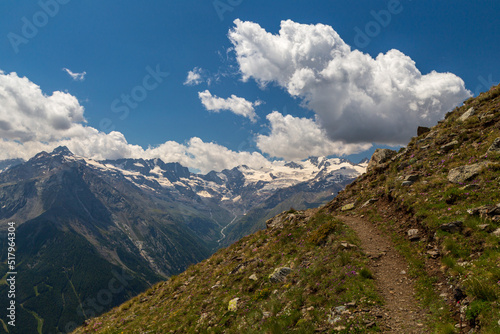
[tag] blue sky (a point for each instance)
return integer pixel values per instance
(115, 43)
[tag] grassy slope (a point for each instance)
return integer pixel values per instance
(470, 259)
(325, 276)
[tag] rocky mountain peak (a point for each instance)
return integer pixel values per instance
(62, 150)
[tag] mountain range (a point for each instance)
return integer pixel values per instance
(410, 246)
(92, 234)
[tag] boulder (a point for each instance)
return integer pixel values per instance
(380, 156)
(233, 305)
(495, 147)
(347, 207)
(411, 178)
(453, 227)
(470, 112)
(253, 277)
(465, 173)
(279, 274)
(497, 232)
(450, 146)
(422, 130)
(413, 234)
(407, 183)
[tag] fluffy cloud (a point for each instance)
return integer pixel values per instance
(194, 77)
(356, 98)
(237, 105)
(31, 121)
(75, 76)
(294, 138)
(29, 115)
(205, 156)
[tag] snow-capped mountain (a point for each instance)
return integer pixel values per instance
(239, 188)
(84, 221)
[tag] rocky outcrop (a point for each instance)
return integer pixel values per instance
(495, 147)
(284, 217)
(486, 211)
(380, 156)
(470, 112)
(453, 227)
(279, 274)
(450, 146)
(465, 173)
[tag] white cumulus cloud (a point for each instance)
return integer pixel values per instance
(27, 114)
(194, 77)
(235, 104)
(75, 76)
(357, 98)
(295, 138)
(31, 122)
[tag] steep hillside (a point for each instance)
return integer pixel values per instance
(303, 272)
(437, 200)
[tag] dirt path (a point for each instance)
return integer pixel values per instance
(401, 312)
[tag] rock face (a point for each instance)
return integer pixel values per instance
(465, 173)
(467, 114)
(380, 156)
(495, 147)
(279, 274)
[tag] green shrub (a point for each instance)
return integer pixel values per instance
(366, 273)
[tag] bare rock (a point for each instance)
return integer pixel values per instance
(279, 274)
(347, 245)
(450, 146)
(380, 156)
(412, 177)
(233, 305)
(370, 201)
(347, 207)
(465, 173)
(453, 227)
(413, 234)
(433, 253)
(495, 147)
(486, 211)
(470, 112)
